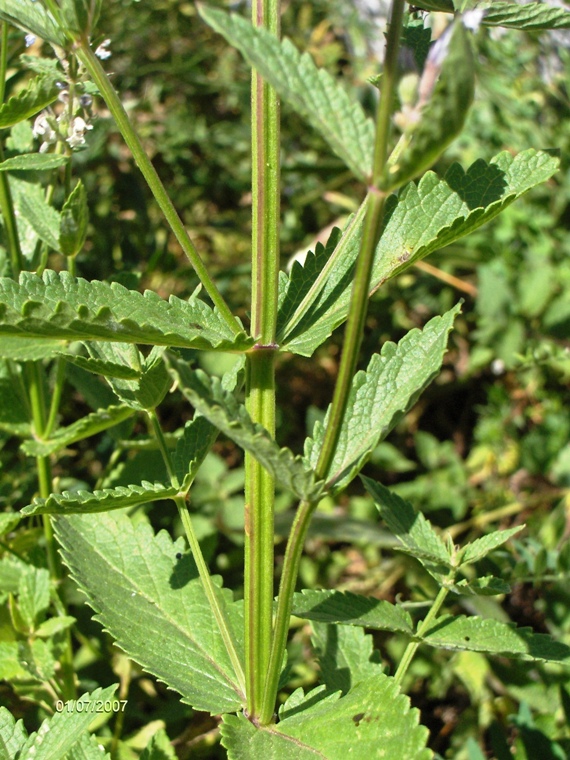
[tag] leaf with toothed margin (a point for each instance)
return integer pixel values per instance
(103, 500)
(12, 733)
(58, 305)
(415, 534)
(380, 396)
(92, 423)
(200, 435)
(220, 407)
(154, 606)
(345, 608)
(373, 720)
(346, 655)
(59, 734)
(422, 218)
(531, 16)
(33, 162)
(41, 92)
(316, 95)
(477, 634)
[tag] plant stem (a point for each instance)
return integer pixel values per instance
(374, 217)
(163, 446)
(6, 204)
(260, 367)
(291, 562)
(93, 66)
(422, 628)
(353, 339)
(259, 532)
(207, 583)
(37, 398)
(61, 366)
(210, 591)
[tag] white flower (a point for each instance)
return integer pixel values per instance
(30, 39)
(472, 19)
(42, 128)
(77, 130)
(102, 52)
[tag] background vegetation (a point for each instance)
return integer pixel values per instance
(488, 442)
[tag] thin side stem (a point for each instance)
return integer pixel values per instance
(291, 562)
(61, 366)
(93, 66)
(374, 217)
(38, 407)
(207, 583)
(260, 368)
(6, 203)
(353, 339)
(163, 446)
(210, 591)
(422, 628)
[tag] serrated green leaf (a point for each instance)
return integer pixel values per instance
(11, 568)
(8, 521)
(411, 528)
(40, 93)
(10, 666)
(32, 193)
(58, 734)
(91, 424)
(308, 291)
(493, 637)
(443, 115)
(314, 94)
(198, 438)
(33, 594)
(105, 367)
(58, 305)
(295, 287)
(26, 162)
(73, 222)
(345, 608)
(479, 548)
(346, 655)
(417, 38)
(36, 658)
(14, 414)
(12, 734)
(138, 381)
(487, 585)
(151, 388)
(43, 218)
(42, 65)
(54, 625)
(80, 16)
(158, 748)
(531, 16)
(421, 219)
(101, 500)
(298, 700)
(209, 398)
(30, 350)
(32, 17)
(87, 748)
(18, 621)
(380, 396)
(154, 606)
(373, 719)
